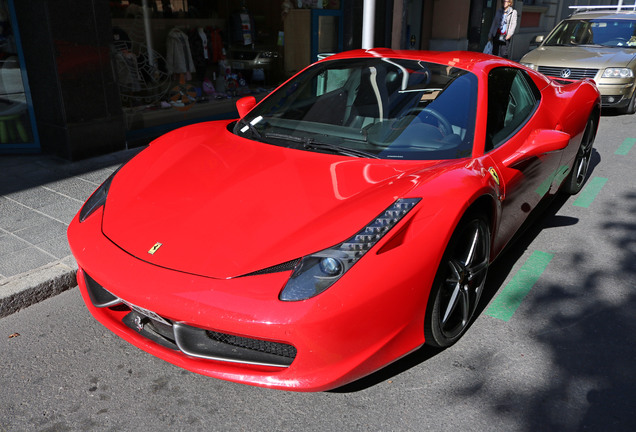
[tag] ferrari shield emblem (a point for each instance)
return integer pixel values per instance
(155, 248)
(494, 174)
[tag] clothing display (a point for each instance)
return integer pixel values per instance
(206, 47)
(179, 57)
(187, 65)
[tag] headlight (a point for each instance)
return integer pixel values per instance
(317, 272)
(96, 200)
(618, 73)
(530, 65)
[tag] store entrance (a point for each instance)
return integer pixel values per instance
(17, 133)
(481, 16)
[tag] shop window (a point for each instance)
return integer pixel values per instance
(183, 61)
(16, 114)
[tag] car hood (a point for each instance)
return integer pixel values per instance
(580, 57)
(223, 206)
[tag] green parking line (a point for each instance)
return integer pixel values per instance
(510, 298)
(625, 147)
(587, 195)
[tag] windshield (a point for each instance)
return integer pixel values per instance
(376, 107)
(603, 32)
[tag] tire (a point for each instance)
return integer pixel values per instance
(631, 106)
(576, 179)
(458, 283)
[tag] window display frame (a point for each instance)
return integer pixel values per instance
(32, 145)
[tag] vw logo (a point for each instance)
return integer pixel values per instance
(565, 73)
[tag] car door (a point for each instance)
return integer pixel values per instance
(513, 101)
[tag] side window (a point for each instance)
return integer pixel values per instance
(512, 99)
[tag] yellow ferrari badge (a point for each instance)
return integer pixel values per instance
(155, 248)
(494, 174)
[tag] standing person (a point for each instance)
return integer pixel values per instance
(502, 29)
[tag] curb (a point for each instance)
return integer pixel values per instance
(26, 289)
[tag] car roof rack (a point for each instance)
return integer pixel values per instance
(616, 8)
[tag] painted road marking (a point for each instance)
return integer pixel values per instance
(587, 195)
(625, 147)
(510, 298)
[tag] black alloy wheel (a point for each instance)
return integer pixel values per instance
(458, 283)
(575, 181)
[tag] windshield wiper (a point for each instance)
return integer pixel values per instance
(347, 151)
(310, 143)
(249, 126)
(286, 137)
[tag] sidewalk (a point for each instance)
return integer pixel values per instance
(39, 196)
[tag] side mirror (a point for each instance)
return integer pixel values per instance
(245, 105)
(539, 142)
(538, 39)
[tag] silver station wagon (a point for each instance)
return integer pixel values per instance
(598, 42)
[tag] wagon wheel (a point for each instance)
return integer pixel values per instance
(631, 106)
(458, 283)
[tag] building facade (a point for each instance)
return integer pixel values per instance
(90, 77)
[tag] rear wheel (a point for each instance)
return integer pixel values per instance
(574, 182)
(458, 283)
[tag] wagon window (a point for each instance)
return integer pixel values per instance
(512, 99)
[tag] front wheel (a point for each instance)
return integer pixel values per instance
(631, 106)
(574, 182)
(458, 283)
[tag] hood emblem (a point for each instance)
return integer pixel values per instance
(565, 73)
(155, 248)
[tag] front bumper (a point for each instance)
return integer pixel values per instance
(351, 330)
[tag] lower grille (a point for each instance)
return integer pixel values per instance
(279, 349)
(193, 341)
(197, 342)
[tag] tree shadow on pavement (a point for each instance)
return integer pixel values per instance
(585, 338)
(587, 333)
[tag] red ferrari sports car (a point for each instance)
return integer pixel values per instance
(341, 223)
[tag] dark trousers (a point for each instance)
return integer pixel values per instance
(500, 48)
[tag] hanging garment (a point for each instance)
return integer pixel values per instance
(179, 56)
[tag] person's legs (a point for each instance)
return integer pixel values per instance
(503, 49)
(495, 47)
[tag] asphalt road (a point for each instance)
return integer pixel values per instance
(554, 347)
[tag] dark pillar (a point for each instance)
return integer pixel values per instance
(75, 96)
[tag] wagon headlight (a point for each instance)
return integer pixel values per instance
(317, 272)
(618, 73)
(96, 200)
